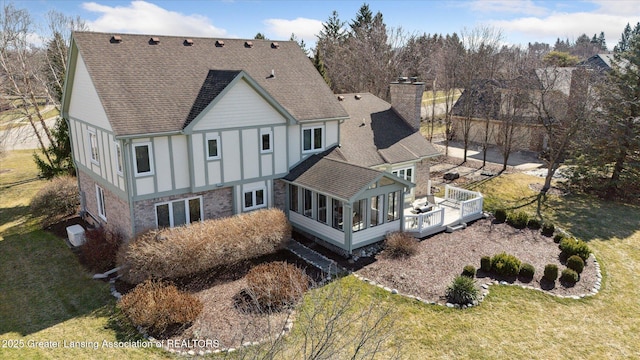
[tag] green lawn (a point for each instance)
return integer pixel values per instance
(427, 97)
(46, 295)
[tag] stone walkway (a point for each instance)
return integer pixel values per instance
(314, 258)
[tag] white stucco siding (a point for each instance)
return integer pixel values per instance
(215, 176)
(145, 186)
(76, 143)
(280, 149)
(85, 103)
(250, 154)
(198, 151)
(231, 156)
(294, 144)
(180, 161)
(266, 164)
(331, 135)
(240, 106)
(163, 163)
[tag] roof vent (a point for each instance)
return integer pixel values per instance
(340, 98)
(275, 45)
(154, 41)
(188, 42)
(402, 79)
(115, 39)
(413, 79)
(219, 43)
(358, 96)
(248, 44)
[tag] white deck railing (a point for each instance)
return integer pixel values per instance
(424, 221)
(471, 207)
(458, 195)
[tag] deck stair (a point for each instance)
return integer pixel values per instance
(457, 227)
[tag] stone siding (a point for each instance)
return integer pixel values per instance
(280, 195)
(216, 204)
(116, 209)
(406, 100)
(422, 178)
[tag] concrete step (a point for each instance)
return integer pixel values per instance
(453, 228)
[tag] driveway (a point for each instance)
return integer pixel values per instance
(22, 137)
(520, 160)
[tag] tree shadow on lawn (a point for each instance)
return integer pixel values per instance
(43, 284)
(590, 218)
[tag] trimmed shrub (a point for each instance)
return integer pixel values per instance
(160, 309)
(500, 215)
(551, 272)
(485, 263)
(57, 200)
(469, 271)
(100, 249)
(558, 238)
(527, 271)
(187, 250)
(534, 224)
(505, 264)
(569, 276)
(518, 219)
(548, 229)
(462, 291)
(400, 245)
(575, 263)
(276, 284)
(573, 246)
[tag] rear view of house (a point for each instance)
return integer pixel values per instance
(169, 130)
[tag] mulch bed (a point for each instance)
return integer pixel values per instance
(442, 257)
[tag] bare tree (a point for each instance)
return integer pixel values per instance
(564, 101)
(332, 324)
(20, 62)
(481, 46)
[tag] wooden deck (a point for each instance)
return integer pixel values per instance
(457, 207)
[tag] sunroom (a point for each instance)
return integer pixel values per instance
(345, 205)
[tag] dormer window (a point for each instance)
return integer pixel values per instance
(312, 139)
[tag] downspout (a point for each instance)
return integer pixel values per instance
(127, 169)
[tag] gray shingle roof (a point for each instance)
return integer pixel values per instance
(148, 88)
(332, 177)
(375, 134)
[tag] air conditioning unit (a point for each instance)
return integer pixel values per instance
(76, 235)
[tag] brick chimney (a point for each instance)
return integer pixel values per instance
(406, 99)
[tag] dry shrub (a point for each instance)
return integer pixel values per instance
(276, 284)
(187, 250)
(160, 309)
(56, 200)
(400, 245)
(99, 251)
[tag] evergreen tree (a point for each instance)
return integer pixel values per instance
(319, 65)
(301, 43)
(59, 153)
(260, 36)
(363, 20)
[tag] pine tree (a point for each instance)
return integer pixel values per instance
(319, 64)
(260, 36)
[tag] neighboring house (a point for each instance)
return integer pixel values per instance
(496, 100)
(598, 62)
(170, 130)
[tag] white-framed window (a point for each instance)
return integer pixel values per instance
(100, 202)
(312, 138)
(93, 147)
(404, 173)
(254, 199)
(266, 141)
(143, 164)
(117, 153)
(179, 212)
(213, 147)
